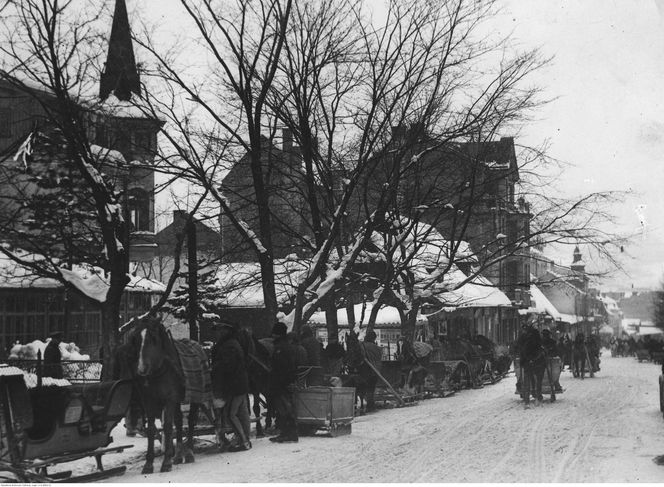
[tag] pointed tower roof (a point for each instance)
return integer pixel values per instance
(578, 265)
(120, 75)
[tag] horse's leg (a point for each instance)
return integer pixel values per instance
(169, 415)
(583, 366)
(257, 414)
(178, 457)
(149, 456)
(538, 384)
(188, 449)
(525, 385)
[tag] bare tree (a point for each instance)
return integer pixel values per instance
(49, 50)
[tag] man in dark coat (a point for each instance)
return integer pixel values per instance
(230, 382)
(282, 381)
(374, 355)
(301, 359)
(312, 346)
(53, 357)
(549, 344)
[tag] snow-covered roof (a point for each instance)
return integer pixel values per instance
(542, 305)
(387, 315)
(88, 279)
(107, 156)
(636, 326)
(478, 293)
(240, 282)
(610, 304)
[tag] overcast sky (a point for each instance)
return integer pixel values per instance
(607, 82)
(607, 78)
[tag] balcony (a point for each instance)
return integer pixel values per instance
(142, 247)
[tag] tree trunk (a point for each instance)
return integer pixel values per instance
(192, 270)
(265, 255)
(409, 321)
(110, 335)
(331, 316)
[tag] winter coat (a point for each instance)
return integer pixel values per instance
(313, 348)
(374, 354)
(301, 359)
(284, 368)
(52, 359)
(550, 346)
(229, 370)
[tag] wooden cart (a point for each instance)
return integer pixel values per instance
(554, 368)
(325, 408)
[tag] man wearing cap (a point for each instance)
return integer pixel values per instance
(282, 379)
(53, 357)
(230, 382)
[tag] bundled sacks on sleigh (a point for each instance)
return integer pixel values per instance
(29, 351)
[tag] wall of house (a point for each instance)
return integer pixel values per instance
(29, 314)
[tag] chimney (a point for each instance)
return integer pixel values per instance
(286, 140)
(179, 218)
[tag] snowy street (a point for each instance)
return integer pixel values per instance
(608, 428)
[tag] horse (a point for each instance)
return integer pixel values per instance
(579, 355)
(533, 363)
(258, 368)
(165, 382)
(414, 369)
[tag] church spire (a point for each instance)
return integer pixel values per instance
(120, 75)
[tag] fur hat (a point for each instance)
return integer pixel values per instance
(279, 329)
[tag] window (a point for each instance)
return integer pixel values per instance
(6, 120)
(139, 209)
(142, 141)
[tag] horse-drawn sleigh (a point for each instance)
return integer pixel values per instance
(51, 424)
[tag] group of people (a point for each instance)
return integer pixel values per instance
(231, 359)
(577, 352)
(627, 346)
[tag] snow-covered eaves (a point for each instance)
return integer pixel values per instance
(636, 326)
(88, 279)
(542, 305)
(477, 293)
(240, 285)
(388, 316)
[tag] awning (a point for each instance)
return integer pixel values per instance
(387, 316)
(478, 293)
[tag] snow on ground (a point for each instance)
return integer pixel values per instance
(607, 428)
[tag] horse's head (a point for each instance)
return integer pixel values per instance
(152, 343)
